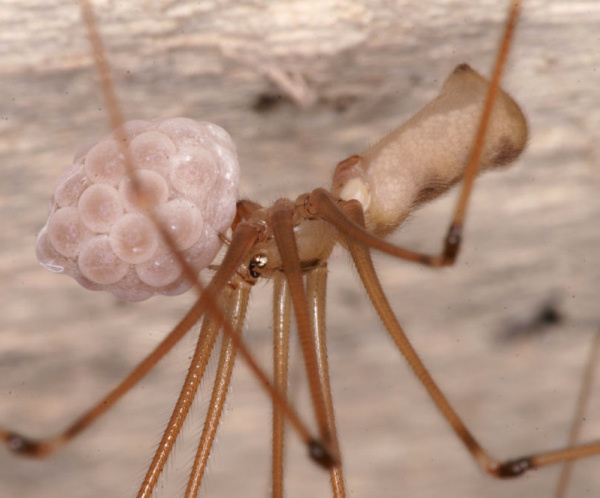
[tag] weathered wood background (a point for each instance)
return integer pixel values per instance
(533, 238)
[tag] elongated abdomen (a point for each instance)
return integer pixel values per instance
(426, 155)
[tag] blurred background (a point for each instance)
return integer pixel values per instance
(300, 85)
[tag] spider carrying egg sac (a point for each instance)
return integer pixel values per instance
(98, 229)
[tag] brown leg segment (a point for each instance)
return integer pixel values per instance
(316, 287)
(237, 304)
(245, 236)
(583, 401)
(204, 347)
(281, 222)
(509, 468)
(281, 342)
(42, 448)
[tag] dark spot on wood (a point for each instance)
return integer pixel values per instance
(342, 103)
(267, 102)
(547, 316)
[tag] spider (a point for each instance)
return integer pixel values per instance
(414, 307)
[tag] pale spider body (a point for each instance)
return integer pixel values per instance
(529, 235)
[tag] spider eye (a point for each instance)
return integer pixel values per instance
(258, 262)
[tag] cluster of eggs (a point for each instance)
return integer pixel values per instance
(98, 230)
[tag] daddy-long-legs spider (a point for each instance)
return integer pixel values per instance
(531, 234)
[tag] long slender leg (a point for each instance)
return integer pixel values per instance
(509, 468)
(281, 222)
(583, 401)
(322, 203)
(237, 304)
(281, 342)
(204, 347)
(316, 282)
(316, 288)
(45, 447)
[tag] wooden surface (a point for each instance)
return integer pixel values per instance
(533, 238)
